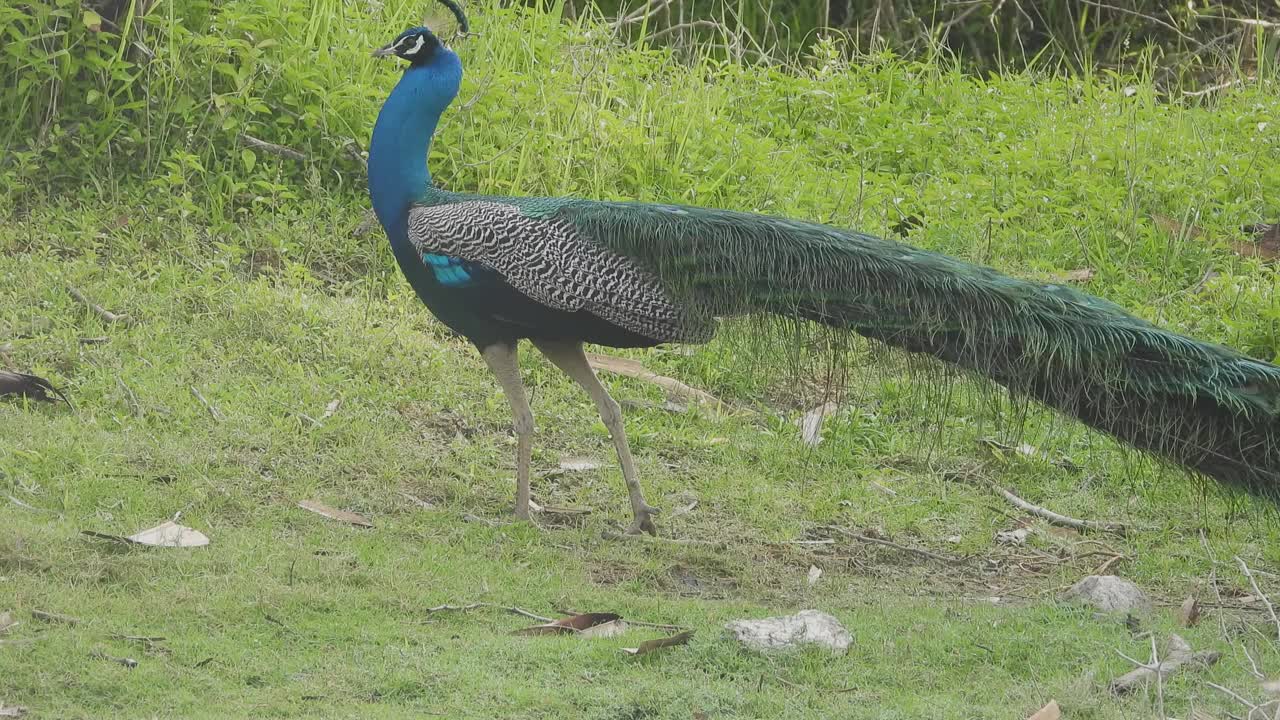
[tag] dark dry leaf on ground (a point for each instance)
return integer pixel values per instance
(1189, 613)
(333, 514)
(22, 385)
(649, 646)
(571, 624)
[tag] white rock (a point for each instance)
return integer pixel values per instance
(1013, 537)
(1108, 593)
(807, 627)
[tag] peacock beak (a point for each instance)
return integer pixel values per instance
(385, 50)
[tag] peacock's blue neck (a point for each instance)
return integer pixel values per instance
(398, 174)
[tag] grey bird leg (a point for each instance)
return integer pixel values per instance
(501, 359)
(568, 356)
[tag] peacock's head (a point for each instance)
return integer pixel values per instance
(419, 45)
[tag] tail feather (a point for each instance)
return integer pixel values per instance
(1203, 406)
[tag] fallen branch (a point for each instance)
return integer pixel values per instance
(633, 369)
(105, 314)
(416, 500)
(692, 25)
(1271, 610)
(1252, 707)
(1179, 654)
(130, 398)
(905, 548)
(653, 7)
(54, 618)
(1057, 518)
(472, 606)
(213, 411)
(273, 148)
(1211, 89)
(25, 506)
(127, 662)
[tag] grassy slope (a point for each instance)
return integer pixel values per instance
(273, 315)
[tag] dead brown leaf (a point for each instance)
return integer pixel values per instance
(170, 534)
(811, 423)
(32, 387)
(1048, 712)
(649, 646)
(1189, 613)
(166, 534)
(633, 369)
(334, 514)
(571, 624)
(815, 572)
(7, 622)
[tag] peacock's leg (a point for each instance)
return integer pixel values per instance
(568, 356)
(501, 359)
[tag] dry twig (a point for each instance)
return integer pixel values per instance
(1057, 518)
(1271, 610)
(633, 369)
(213, 411)
(508, 608)
(105, 314)
(273, 148)
(1179, 654)
(905, 548)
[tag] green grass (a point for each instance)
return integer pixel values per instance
(261, 298)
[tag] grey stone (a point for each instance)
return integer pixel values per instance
(807, 627)
(1108, 593)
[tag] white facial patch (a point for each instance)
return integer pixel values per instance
(414, 50)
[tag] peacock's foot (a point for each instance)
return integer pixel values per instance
(643, 522)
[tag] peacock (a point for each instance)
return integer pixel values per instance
(561, 272)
